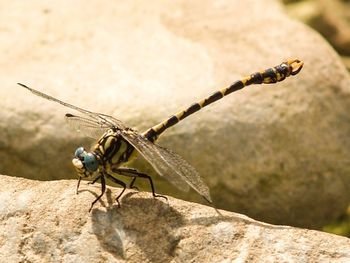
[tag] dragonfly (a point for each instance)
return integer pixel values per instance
(118, 144)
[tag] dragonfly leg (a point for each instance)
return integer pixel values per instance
(135, 174)
(129, 170)
(95, 180)
(117, 181)
(103, 188)
(79, 180)
(131, 185)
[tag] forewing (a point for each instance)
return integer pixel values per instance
(86, 126)
(168, 164)
(102, 120)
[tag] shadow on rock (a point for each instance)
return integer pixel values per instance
(151, 224)
(233, 218)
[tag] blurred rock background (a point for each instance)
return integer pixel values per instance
(331, 18)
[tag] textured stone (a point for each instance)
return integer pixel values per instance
(278, 153)
(48, 222)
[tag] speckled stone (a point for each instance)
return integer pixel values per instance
(48, 222)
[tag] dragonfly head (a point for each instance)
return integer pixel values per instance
(85, 163)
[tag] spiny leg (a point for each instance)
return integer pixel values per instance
(134, 173)
(103, 187)
(117, 181)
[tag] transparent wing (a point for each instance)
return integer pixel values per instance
(87, 126)
(102, 120)
(168, 164)
(165, 162)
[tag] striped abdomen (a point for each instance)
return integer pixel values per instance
(271, 75)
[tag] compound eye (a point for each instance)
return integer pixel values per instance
(79, 151)
(90, 162)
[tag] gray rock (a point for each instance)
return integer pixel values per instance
(48, 222)
(278, 153)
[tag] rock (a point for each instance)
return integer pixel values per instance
(330, 18)
(48, 222)
(278, 153)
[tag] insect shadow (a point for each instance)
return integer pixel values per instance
(146, 225)
(148, 228)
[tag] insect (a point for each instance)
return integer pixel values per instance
(119, 143)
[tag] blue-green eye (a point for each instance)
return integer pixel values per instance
(90, 162)
(79, 151)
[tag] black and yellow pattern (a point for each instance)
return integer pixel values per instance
(113, 149)
(268, 76)
(117, 143)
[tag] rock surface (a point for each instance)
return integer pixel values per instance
(48, 222)
(278, 153)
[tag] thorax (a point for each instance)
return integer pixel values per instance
(113, 149)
